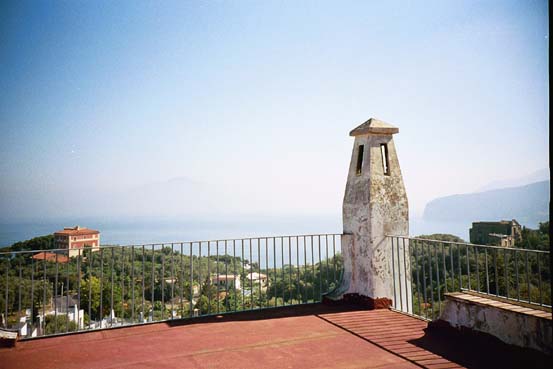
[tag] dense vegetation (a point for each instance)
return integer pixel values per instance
(141, 283)
(448, 265)
(535, 239)
(37, 243)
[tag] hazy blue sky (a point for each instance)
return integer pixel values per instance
(249, 103)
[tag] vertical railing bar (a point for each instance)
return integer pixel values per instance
(67, 294)
(418, 279)
(172, 281)
(452, 267)
(132, 284)
(123, 285)
(398, 274)
(259, 270)
(476, 252)
(424, 281)
(267, 269)
(55, 295)
(200, 274)
(327, 262)
(162, 281)
(290, 268)
(282, 271)
(143, 283)
(153, 282)
(539, 278)
(459, 265)
(305, 268)
(191, 302)
(217, 271)
(90, 289)
(527, 274)
(487, 271)
(517, 278)
(438, 281)
(444, 266)
(226, 273)
(33, 290)
(394, 274)
(79, 290)
(405, 275)
(468, 265)
(334, 255)
(7, 294)
(250, 258)
(181, 280)
(21, 281)
(313, 266)
(505, 266)
(234, 274)
(111, 312)
(320, 274)
(267, 289)
(101, 312)
(274, 271)
(495, 272)
(208, 279)
(43, 297)
(298, 285)
(431, 281)
(245, 279)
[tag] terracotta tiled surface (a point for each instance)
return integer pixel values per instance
(313, 336)
(391, 331)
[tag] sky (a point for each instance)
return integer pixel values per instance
(244, 107)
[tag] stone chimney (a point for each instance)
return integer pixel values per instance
(375, 205)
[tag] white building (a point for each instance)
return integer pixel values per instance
(224, 281)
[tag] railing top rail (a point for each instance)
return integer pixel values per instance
(169, 243)
(469, 244)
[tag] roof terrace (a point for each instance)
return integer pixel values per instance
(370, 297)
(309, 336)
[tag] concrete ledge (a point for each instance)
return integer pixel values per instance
(516, 325)
(8, 337)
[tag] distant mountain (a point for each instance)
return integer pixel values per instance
(527, 204)
(537, 176)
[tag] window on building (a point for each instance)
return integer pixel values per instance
(360, 159)
(385, 162)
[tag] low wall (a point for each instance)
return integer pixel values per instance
(512, 324)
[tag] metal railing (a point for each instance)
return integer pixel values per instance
(425, 269)
(45, 292)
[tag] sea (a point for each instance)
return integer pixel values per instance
(137, 231)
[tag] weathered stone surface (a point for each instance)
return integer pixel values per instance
(375, 205)
(374, 126)
(513, 326)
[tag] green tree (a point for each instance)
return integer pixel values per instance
(60, 323)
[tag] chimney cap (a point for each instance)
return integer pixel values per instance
(375, 127)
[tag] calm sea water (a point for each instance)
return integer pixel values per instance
(159, 230)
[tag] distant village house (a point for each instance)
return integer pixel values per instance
(258, 279)
(504, 233)
(226, 281)
(51, 257)
(76, 238)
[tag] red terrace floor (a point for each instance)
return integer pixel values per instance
(311, 336)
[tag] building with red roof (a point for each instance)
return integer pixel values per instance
(50, 256)
(76, 238)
